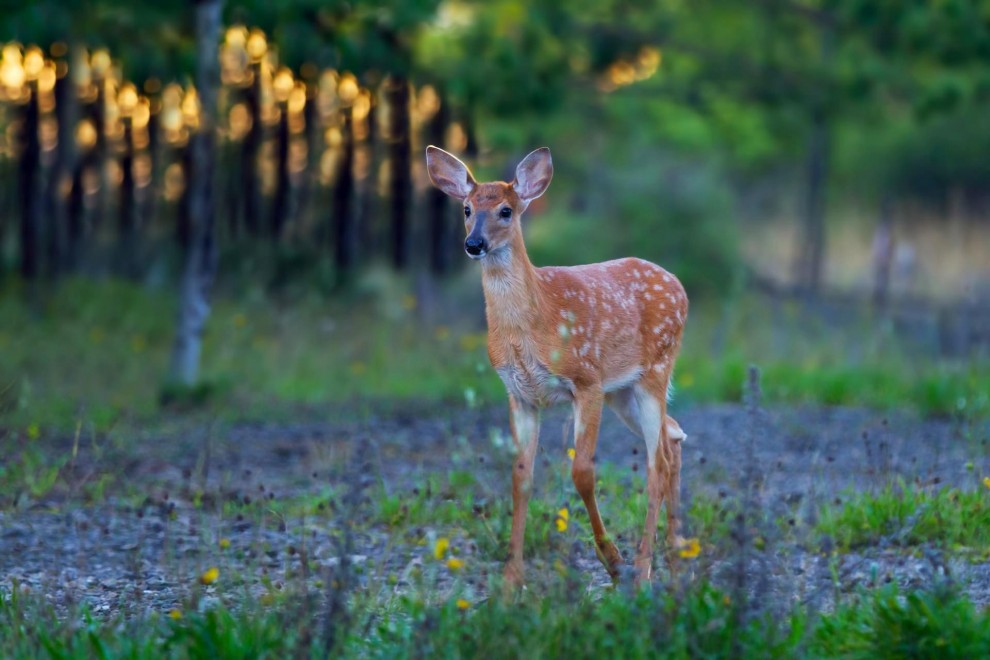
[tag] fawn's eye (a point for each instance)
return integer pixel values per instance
(467, 212)
(506, 213)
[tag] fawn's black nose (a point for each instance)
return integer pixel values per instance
(475, 247)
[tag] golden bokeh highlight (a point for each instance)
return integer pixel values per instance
(121, 117)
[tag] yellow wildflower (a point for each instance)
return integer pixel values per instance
(986, 481)
(470, 342)
(440, 547)
(690, 548)
(210, 575)
(33, 431)
(224, 543)
(571, 453)
(462, 604)
(455, 564)
(175, 614)
(138, 343)
(562, 517)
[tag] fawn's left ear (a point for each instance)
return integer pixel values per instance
(448, 173)
(533, 175)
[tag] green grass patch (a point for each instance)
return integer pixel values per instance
(97, 353)
(695, 621)
(890, 624)
(907, 516)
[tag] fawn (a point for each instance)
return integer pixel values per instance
(604, 333)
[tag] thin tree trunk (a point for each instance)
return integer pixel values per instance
(313, 137)
(77, 216)
(127, 240)
(149, 198)
(343, 202)
(30, 233)
(183, 211)
(471, 146)
(249, 159)
(280, 205)
(201, 256)
(59, 177)
(400, 177)
(437, 204)
(98, 116)
(370, 233)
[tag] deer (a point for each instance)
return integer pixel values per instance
(592, 335)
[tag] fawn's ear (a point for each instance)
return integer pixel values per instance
(448, 173)
(533, 175)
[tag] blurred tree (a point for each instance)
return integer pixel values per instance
(28, 183)
(803, 66)
(201, 254)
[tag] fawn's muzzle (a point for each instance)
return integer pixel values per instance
(476, 247)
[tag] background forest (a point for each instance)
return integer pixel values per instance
(245, 398)
(275, 165)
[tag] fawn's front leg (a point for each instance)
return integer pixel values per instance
(587, 416)
(525, 424)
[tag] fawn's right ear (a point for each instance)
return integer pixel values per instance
(448, 173)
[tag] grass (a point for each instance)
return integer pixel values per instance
(97, 353)
(409, 603)
(697, 621)
(909, 516)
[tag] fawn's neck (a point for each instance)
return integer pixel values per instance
(513, 292)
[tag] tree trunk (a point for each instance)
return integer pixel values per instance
(60, 176)
(438, 207)
(149, 198)
(280, 205)
(183, 211)
(343, 202)
(249, 158)
(77, 217)
(30, 233)
(98, 115)
(201, 255)
(400, 196)
(371, 235)
(313, 137)
(127, 240)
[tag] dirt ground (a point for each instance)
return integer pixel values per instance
(139, 548)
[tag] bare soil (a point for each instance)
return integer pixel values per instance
(140, 546)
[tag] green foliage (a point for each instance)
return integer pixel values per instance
(931, 160)
(698, 621)
(262, 352)
(910, 516)
(675, 216)
(802, 360)
(891, 624)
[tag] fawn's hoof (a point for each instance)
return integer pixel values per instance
(609, 556)
(643, 571)
(513, 577)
